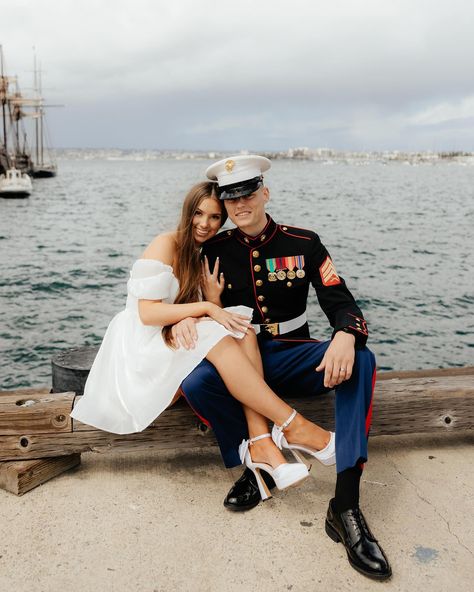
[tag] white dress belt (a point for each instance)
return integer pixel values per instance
(282, 328)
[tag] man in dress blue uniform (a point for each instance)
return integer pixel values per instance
(269, 267)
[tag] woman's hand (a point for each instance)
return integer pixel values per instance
(184, 333)
(212, 284)
(338, 360)
(232, 321)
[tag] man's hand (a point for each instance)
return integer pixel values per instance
(212, 283)
(184, 333)
(338, 360)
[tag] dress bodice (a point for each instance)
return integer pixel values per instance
(151, 279)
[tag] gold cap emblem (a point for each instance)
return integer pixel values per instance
(229, 166)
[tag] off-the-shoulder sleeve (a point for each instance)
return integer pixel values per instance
(150, 279)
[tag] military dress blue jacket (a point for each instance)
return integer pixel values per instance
(272, 273)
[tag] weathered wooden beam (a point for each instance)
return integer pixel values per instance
(427, 373)
(35, 411)
(21, 476)
(177, 427)
(421, 404)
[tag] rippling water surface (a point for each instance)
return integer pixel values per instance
(402, 237)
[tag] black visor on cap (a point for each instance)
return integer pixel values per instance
(240, 189)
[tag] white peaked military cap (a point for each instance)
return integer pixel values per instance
(238, 176)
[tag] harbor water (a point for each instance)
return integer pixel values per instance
(402, 237)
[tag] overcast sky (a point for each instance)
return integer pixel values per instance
(258, 75)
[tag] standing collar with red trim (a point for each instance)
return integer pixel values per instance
(263, 236)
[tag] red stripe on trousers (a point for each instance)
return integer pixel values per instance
(203, 419)
(368, 418)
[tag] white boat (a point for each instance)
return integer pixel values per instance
(15, 184)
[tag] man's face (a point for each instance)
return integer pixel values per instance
(248, 213)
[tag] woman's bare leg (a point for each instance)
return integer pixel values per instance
(263, 450)
(246, 384)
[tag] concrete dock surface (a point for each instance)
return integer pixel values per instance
(154, 521)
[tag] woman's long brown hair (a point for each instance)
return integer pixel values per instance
(188, 263)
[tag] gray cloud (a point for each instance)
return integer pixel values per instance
(356, 75)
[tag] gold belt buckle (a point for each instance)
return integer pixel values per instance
(271, 328)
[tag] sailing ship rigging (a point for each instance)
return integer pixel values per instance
(18, 162)
(44, 164)
(13, 182)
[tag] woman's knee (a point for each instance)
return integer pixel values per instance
(224, 345)
(250, 337)
(249, 341)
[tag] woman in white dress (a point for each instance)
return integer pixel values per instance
(138, 369)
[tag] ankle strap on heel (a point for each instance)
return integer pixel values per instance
(277, 431)
(244, 446)
(285, 424)
(257, 438)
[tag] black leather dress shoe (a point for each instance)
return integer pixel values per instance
(364, 553)
(244, 494)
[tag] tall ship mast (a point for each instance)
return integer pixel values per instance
(4, 160)
(14, 183)
(21, 150)
(44, 164)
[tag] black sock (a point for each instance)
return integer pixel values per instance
(347, 489)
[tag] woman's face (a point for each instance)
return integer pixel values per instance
(207, 219)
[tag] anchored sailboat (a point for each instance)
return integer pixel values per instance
(21, 149)
(44, 164)
(13, 182)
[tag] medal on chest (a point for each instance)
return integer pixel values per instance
(291, 264)
(282, 268)
(271, 266)
(300, 273)
(281, 265)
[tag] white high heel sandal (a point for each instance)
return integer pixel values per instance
(285, 475)
(326, 456)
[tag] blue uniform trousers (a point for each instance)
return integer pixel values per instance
(289, 367)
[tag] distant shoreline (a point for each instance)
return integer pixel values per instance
(302, 154)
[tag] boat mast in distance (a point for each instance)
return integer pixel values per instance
(42, 167)
(13, 182)
(4, 162)
(21, 152)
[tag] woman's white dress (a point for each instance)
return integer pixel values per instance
(135, 374)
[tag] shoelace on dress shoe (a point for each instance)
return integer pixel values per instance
(365, 526)
(353, 526)
(357, 526)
